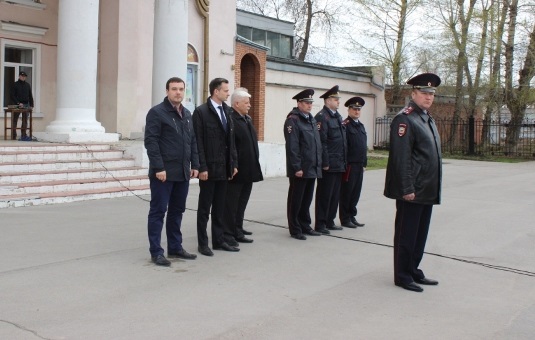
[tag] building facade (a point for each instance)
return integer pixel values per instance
(96, 67)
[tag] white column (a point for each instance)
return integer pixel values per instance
(170, 44)
(77, 76)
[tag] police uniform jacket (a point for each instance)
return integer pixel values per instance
(22, 93)
(357, 140)
(333, 140)
(303, 145)
(415, 159)
(170, 142)
(217, 151)
(247, 149)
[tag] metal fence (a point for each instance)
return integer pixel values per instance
(473, 137)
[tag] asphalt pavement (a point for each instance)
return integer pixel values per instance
(82, 270)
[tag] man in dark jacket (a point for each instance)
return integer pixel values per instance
(239, 188)
(413, 179)
(303, 164)
(21, 95)
(356, 164)
(217, 158)
(172, 151)
(334, 148)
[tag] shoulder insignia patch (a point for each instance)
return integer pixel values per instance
(408, 110)
(289, 128)
(402, 130)
(318, 125)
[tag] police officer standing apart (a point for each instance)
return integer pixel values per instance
(333, 142)
(413, 179)
(357, 161)
(303, 164)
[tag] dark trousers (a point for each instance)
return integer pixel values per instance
(300, 196)
(237, 198)
(411, 228)
(165, 197)
(212, 195)
(24, 125)
(327, 197)
(350, 192)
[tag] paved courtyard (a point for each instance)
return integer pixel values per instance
(82, 270)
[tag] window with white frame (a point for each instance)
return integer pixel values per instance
(16, 58)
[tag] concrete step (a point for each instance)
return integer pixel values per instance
(64, 155)
(16, 167)
(70, 174)
(65, 197)
(48, 173)
(46, 147)
(73, 185)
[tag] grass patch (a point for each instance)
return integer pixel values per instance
(376, 162)
(500, 159)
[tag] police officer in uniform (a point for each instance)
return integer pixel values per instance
(333, 142)
(413, 179)
(303, 164)
(357, 161)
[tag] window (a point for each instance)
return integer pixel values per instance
(246, 32)
(16, 60)
(280, 45)
(259, 36)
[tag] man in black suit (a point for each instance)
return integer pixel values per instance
(239, 188)
(218, 163)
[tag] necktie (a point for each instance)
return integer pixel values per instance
(223, 118)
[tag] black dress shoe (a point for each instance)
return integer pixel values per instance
(349, 224)
(160, 260)
(410, 286)
(182, 254)
(323, 230)
(245, 232)
(224, 246)
(355, 222)
(206, 251)
(426, 281)
(299, 237)
(244, 240)
(334, 227)
(232, 242)
(312, 232)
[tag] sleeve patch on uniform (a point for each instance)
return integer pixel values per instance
(289, 128)
(402, 129)
(318, 125)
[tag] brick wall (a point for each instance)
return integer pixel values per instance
(250, 72)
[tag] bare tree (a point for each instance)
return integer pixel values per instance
(517, 97)
(380, 34)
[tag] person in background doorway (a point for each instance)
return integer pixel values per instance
(21, 95)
